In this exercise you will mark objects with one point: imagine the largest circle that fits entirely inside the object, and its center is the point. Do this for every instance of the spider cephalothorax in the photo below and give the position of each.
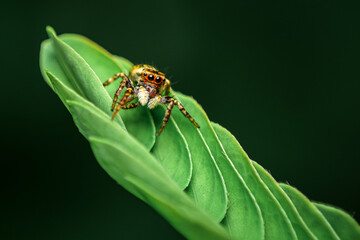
(150, 84)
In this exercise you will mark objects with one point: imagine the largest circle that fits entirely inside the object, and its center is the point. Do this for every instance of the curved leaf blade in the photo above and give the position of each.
(79, 75)
(277, 224)
(343, 224)
(301, 229)
(171, 147)
(49, 62)
(138, 121)
(84, 79)
(310, 214)
(207, 186)
(139, 173)
(172, 150)
(173, 204)
(243, 218)
(225, 179)
(71, 99)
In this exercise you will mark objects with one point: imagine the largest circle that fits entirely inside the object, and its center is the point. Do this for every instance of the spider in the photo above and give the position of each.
(150, 85)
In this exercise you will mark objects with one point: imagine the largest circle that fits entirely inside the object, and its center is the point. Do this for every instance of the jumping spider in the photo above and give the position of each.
(150, 85)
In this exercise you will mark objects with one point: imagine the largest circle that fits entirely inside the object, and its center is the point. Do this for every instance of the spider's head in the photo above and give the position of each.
(152, 77)
(147, 75)
(149, 79)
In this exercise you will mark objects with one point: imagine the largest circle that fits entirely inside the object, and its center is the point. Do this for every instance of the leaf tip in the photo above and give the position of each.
(52, 77)
(48, 73)
(50, 31)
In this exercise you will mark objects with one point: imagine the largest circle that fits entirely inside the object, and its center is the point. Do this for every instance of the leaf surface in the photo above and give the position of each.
(225, 192)
(138, 121)
(132, 166)
(83, 79)
(276, 222)
(311, 215)
(242, 209)
(171, 148)
(301, 229)
(243, 217)
(343, 224)
(207, 186)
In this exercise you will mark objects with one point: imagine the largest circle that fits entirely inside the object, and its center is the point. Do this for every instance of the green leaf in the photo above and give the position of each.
(96, 60)
(74, 72)
(138, 121)
(72, 100)
(207, 186)
(83, 78)
(301, 229)
(49, 62)
(132, 166)
(221, 183)
(243, 211)
(243, 217)
(343, 224)
(172, 150)
(311, 215)
(277, 225)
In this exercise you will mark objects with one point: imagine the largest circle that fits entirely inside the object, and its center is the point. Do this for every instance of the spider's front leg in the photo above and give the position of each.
(172, 101)
(128, 97)
(124, 82)
(131, 105)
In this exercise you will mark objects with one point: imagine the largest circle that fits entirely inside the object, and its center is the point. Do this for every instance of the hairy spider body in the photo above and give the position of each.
(148, 85)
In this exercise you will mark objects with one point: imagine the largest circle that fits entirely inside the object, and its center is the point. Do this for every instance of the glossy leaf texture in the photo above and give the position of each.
(199, 179)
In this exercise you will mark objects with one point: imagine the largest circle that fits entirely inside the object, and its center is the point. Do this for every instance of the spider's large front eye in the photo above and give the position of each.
(158, 80)
(151, 77)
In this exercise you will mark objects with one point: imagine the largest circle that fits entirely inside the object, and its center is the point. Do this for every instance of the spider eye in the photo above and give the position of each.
(158, 79)
(145, 74)
(151, 77)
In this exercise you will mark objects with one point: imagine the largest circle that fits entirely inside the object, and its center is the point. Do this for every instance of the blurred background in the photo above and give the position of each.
(286, 74)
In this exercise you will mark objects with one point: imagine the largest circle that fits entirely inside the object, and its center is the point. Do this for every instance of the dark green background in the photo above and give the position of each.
(282, 76)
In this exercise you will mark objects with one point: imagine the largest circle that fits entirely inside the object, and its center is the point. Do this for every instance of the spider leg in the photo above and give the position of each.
(117, 94)
(131, 105)
(113, 78)
(167, 116)
(125, 99)
(124, 82)
(172, 101)
(186, 114)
